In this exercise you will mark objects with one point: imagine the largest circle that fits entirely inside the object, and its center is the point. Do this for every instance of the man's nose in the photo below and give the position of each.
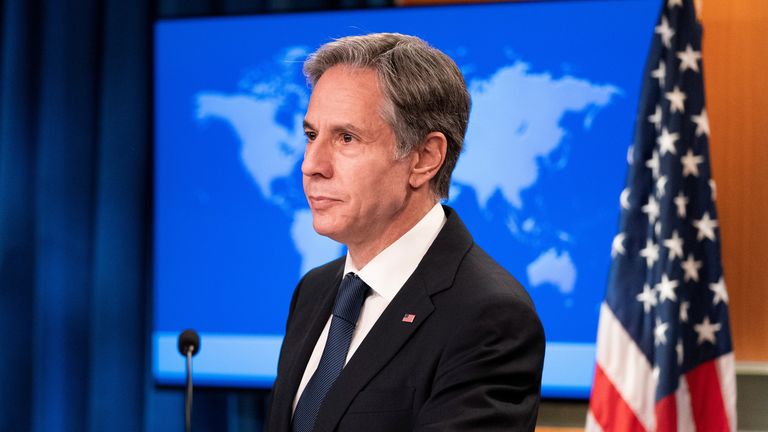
(317, 159)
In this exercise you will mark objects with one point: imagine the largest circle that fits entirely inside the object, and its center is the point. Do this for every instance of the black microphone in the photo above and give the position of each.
(189, 339)
(189, 345)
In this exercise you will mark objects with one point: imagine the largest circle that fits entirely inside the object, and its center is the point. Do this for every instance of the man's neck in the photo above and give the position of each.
(362, 253)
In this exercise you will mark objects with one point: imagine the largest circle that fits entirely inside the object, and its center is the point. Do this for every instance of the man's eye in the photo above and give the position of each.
(347, 138)
(310, 135)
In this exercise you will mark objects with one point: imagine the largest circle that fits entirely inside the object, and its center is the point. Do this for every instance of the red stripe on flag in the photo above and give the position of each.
(608, 407)
(707, 398)
(666, 414)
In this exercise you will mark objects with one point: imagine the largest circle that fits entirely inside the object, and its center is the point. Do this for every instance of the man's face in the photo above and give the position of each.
(355, 187)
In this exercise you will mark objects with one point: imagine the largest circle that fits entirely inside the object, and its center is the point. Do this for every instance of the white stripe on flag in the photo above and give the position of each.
(685, 421)
(627, 367)
(726, 372)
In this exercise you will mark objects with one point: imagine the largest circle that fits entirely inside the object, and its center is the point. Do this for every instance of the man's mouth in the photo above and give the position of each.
(322, 202)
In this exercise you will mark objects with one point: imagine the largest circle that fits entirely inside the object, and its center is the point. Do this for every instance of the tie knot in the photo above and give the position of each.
(350, 298)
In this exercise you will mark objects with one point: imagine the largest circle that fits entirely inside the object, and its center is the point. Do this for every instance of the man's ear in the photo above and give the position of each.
(429, 157)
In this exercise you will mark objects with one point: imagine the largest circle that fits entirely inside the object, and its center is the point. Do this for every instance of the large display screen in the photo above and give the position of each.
(554, 89)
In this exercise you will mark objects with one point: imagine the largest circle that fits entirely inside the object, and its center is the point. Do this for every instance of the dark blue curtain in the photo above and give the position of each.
(74, 148)
(75, 218)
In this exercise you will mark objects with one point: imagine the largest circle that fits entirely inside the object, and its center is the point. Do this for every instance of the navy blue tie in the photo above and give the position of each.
(346, 310)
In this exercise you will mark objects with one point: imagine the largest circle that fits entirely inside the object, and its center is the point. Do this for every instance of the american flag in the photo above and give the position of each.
(664, 355)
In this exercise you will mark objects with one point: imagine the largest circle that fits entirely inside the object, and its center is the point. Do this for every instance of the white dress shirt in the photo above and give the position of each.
(385, 274)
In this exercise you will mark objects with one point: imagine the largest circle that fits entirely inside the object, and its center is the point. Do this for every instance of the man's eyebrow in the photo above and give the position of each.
(346, 127)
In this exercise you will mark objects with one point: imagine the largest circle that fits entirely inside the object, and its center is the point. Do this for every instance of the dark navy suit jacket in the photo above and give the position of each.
(471, 360)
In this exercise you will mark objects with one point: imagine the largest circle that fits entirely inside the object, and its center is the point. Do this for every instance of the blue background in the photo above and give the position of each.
(223, 261)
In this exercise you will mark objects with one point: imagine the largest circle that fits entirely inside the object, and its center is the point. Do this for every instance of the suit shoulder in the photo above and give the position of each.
(484, 297)
(488, 280)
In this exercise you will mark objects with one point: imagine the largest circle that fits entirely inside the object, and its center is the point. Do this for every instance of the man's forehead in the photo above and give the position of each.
(344, 94)
(345, 77)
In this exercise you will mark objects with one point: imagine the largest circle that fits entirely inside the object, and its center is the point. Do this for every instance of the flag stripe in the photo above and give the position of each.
(609, 409)
(666, 414)
(626, 367)
(706, 398)
(726, 372)
(684, 414)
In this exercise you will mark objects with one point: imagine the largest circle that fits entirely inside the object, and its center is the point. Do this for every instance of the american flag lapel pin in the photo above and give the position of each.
(408, 318)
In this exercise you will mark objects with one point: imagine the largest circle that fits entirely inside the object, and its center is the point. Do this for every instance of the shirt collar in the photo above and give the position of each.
(387, 272)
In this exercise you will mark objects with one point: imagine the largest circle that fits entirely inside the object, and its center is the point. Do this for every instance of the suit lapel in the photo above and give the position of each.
(384, 340)
(435, 273)
(301, 345)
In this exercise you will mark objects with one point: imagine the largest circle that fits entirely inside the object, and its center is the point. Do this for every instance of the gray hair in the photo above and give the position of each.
(423, 89)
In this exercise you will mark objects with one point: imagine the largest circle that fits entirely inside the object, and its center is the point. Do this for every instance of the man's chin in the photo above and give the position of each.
(325, 228)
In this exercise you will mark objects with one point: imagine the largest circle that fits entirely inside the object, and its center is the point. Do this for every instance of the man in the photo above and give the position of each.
(416, 328)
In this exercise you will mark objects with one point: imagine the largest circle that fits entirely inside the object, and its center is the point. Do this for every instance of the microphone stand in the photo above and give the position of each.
(189, 345)
(188, 399)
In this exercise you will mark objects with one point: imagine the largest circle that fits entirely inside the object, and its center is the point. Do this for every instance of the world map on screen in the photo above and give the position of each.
(510, 140)
(506, 136)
